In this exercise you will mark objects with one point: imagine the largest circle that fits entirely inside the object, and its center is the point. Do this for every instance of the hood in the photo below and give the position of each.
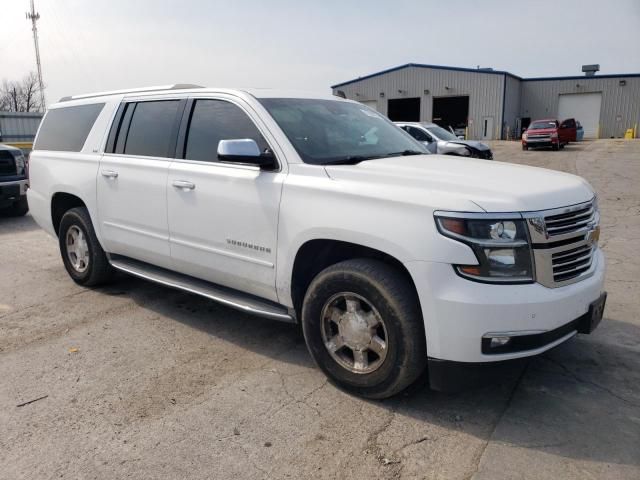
(542, 131)
(447, 182)
(471, 143)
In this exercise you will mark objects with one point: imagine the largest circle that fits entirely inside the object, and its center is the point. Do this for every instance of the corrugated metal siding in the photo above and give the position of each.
(620, 107)
(485, 92)
(19, 126)
(512, 95)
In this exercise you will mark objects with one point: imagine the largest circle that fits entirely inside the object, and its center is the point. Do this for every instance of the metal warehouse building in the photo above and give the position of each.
(491, 104)
(19, 127)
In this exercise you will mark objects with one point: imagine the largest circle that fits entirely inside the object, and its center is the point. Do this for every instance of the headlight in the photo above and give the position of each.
(554, 135)
(524, 136)
(19, 164)
(501, 246)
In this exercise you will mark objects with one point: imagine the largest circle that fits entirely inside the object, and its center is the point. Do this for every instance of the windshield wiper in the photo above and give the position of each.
(354, 159)
(350, 160)
(405, 153)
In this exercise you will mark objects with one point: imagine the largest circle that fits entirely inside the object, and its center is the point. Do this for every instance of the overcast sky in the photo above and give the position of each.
(109, 44)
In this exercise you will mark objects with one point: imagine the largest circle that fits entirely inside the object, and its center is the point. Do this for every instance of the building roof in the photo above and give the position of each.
(481, 70)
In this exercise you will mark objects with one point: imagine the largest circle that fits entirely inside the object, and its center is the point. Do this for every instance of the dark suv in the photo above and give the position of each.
(13, 181)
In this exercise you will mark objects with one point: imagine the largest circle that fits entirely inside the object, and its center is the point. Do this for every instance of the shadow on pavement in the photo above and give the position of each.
(12, 225)
(580, 400)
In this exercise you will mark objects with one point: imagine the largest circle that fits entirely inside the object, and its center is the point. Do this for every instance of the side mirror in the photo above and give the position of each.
(244, 150)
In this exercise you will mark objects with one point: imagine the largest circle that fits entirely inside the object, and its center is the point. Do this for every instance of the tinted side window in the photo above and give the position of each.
(215, 120)
(419, 134)
(152, 129)
(66, 128)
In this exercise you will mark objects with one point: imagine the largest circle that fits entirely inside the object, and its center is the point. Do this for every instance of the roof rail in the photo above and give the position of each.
(177, 86)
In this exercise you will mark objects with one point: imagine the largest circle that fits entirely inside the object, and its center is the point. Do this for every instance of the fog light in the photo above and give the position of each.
(499, 341)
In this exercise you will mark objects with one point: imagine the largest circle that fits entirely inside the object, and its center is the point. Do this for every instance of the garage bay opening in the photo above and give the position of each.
(451, 112)
(404, 109)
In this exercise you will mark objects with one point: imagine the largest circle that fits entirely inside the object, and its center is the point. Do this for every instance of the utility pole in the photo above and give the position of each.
(34, 17)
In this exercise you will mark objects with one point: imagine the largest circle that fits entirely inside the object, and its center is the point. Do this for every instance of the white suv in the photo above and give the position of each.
(319, 210)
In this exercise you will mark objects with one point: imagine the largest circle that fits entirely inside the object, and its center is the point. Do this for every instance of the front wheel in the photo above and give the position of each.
(362, 324)
(82, 254)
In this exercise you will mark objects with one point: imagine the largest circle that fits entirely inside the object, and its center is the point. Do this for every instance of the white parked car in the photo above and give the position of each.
(323, 212)
(439, 140)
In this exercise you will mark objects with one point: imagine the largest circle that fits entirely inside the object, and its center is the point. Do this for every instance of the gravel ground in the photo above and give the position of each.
(145, 382)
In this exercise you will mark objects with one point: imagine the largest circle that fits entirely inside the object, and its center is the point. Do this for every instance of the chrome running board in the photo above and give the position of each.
(226, 296)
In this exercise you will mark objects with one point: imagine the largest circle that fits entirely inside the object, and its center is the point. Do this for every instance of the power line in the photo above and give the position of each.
(34, 17)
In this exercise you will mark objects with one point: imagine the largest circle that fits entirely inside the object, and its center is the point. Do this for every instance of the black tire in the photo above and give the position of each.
(524, 147)
(555, 147)
(19, 208)
(97, 270)
(394, 298)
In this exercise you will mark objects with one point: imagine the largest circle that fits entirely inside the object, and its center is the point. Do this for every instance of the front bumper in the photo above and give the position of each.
(449, 376)
(11, 191)
(540, 143)
(457, 312)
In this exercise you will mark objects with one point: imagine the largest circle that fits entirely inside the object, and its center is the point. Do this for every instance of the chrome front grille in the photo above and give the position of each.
(564, 242)
(571, 263)
(564, 223)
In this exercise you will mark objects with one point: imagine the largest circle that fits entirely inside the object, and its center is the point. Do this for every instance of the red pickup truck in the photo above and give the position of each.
(549, 133)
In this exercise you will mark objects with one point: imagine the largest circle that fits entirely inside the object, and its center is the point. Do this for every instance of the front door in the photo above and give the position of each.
(132, 182)
(487, 128)
(223, 218)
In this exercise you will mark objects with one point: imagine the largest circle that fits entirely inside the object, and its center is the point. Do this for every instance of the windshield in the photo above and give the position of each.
(333, 131)
(442, 134)
(541, 125)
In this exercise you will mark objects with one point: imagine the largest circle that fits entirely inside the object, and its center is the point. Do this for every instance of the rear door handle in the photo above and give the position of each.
(109, 174)
(184, 185)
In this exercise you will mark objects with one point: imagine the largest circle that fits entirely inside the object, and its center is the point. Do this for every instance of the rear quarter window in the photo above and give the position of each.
(67, 128)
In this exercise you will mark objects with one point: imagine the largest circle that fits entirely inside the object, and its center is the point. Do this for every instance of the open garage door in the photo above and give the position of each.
(584, 107)
(404, 109)
(451, 112)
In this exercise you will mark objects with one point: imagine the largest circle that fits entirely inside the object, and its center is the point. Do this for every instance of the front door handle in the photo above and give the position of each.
(109, 174)
(184, 185)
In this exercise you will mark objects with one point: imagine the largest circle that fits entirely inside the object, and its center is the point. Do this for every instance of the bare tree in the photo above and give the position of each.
(21, 95)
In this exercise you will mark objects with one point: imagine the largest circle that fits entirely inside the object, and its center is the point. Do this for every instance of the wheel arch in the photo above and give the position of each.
(62, 202)
(315, 255)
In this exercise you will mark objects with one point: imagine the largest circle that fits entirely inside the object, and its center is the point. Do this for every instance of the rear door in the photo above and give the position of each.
(223, 217)
(132, 179)
(568, 129)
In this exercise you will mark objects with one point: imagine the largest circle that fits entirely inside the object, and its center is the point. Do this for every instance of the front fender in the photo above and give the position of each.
(287, 254)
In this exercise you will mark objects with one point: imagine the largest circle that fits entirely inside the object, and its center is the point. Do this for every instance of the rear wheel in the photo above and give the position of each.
(362, 324)
(83, 257)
